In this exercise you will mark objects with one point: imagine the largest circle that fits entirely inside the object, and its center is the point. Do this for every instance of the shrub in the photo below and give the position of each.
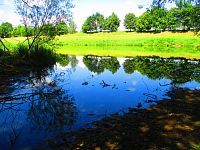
(36, 56)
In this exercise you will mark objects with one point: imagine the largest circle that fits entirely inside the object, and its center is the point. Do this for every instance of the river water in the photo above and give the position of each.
(37, 107)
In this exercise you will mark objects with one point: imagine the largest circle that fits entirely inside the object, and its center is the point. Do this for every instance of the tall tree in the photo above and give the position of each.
(93, 23)
(89, 25)
(99, 21)
(196, 18)
(40, 14)
(6, 29)
(172, 22)
(158, 19)
(72, 27)
(112, 23)
(130, 21)
(61, 28)
(144, 22)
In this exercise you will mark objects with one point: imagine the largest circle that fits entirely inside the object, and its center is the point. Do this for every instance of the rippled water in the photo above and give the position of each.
(43, 105)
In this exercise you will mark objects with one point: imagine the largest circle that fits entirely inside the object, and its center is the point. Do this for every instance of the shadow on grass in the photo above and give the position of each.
(171, 124)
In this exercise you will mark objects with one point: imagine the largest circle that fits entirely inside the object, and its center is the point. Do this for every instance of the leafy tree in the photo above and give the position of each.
(158, 19)
(6, 29)
(89, 25)
(21, 31)
(72, 27)
(196, 18)
(61, 28)
(99, 21)
(112, 23)
(93, 23)
(144, 22)
(130, 21)
(161, 3)
(185, 16)
(172, 22)
(42, 15)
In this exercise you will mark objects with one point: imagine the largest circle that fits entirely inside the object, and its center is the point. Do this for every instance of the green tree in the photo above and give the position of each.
(172, 22)
(112, 23)
(89, 25)
(99, 21)
(158, 19)
(61, 28)
(186, 16)
(196, 18)
(93, 23)
(144, 22)
(72, 27)
(130, 21)
(42, 15)
(6, 29)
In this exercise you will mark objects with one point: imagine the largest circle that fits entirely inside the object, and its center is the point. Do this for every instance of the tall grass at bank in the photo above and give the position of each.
(36, 56)
(22, 59)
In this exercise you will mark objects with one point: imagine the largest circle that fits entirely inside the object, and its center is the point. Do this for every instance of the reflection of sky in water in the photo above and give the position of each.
(93, 101)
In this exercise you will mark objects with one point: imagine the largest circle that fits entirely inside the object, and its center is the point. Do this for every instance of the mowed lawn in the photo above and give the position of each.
(164, 44)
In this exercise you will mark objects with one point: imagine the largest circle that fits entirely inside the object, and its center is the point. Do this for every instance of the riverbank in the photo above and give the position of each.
(164, 44)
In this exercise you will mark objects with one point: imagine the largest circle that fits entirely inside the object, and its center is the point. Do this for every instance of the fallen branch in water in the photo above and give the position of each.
(104, 84)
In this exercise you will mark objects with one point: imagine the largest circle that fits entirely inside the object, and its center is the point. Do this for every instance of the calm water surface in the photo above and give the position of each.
(70, 95)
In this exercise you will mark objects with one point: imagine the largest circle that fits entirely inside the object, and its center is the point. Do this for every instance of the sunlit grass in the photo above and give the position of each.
(164, 44)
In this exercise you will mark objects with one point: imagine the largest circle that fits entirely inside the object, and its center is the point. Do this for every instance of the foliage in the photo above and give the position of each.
(36, 56)
(196, 18)
(112, 23)
(72, 27)
(93, 23)
(89, 25)
(130, 21)
(42, 16)
(144, 22)
(6, 30)
(196, 147)
(22, 31)
(158, 19)
(61, 28)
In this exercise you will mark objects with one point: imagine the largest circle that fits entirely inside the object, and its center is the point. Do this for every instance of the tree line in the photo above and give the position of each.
(183, 17)
(7, 30)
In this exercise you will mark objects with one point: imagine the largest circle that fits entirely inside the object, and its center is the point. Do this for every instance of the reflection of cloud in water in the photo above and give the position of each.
(80, 64)
(134, 82)
(121, 61)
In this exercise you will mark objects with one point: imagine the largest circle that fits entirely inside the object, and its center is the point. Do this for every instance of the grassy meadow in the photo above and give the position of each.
(164, 44)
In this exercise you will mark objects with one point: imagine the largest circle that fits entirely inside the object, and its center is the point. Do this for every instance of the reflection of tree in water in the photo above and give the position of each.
(74, 62)
(52, 108)
(99, 64)
(178, 70)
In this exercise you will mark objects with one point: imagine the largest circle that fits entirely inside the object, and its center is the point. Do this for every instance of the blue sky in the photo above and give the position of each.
(83, 9)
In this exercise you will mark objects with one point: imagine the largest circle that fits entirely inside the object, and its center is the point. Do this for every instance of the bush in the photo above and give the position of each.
(36, 56)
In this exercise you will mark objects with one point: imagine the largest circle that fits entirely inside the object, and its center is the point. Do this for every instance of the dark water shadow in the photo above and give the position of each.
(171, 124)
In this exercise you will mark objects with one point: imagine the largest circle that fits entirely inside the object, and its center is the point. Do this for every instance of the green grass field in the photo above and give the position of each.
(165, 44)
